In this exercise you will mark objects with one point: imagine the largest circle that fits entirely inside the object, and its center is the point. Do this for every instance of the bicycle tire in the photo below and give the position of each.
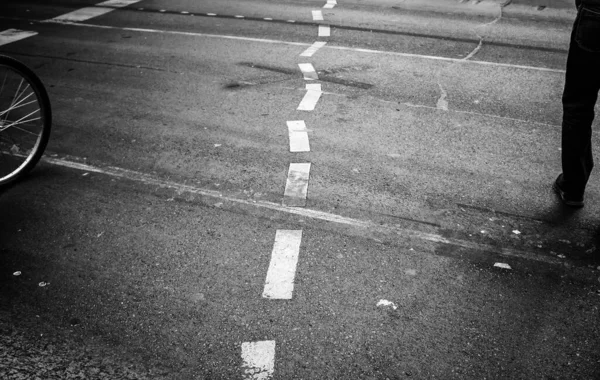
(38, 89)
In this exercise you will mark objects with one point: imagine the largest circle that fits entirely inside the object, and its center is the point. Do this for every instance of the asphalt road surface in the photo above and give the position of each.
(297, 190)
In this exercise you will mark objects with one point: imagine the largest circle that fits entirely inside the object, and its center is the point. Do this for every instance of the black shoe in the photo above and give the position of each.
(567, 199)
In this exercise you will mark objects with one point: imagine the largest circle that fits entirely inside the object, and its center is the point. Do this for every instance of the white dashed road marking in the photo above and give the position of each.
(258, 360)
(296, 186)
(311, 98)
(313, 49)
(330, 4)
(324, 31)
(279, 283)
(12, 35)
(91, 12)
(308, 71)
(118, 3)
(298, 136)
(502, 265)
(317, 15)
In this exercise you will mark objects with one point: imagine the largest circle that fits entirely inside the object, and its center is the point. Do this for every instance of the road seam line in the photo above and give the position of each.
(146, 179)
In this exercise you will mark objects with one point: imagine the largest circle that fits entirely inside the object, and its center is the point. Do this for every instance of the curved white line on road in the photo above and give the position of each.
(291, 43)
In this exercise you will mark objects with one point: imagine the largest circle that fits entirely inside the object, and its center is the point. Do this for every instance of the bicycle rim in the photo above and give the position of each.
(22, 120)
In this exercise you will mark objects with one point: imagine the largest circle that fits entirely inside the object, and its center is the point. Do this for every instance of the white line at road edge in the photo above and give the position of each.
(303, 212)
(279, 283)
(358, 50)
(258, 360)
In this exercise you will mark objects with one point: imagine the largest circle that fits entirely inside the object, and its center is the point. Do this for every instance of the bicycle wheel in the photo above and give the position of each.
(25, 119)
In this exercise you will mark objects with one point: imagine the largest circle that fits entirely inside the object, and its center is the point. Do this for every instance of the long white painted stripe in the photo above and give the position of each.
(330, 4)
(345, 48)
(296, 186)
(308, 71)
(117, 3)
(310, 100)
(258, 360)
(12, 35)
(279, 283)
(324, 31)
(317, 15)
(313, 49)
(298, 136)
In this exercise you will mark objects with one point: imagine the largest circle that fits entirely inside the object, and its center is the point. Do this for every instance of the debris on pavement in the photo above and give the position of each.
(387, 303)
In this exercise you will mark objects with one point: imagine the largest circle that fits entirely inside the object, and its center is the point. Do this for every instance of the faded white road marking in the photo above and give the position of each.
(11, 35)
(117, 3)
(345, 48)
(81, 14)
(330, 4)
(317, 15)
(298, 136)
(258, 360)
(502, 265)
(308, 71)
(87, 13)
(279, 283)
(296, 186)
(311, 98)
(404, 233)
(313, 49)
(324, 31)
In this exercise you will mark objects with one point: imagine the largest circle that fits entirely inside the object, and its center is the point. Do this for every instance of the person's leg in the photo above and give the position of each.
(582, 83)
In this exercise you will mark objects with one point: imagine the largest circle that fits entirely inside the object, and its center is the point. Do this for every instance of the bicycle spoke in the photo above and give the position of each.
(19, 105)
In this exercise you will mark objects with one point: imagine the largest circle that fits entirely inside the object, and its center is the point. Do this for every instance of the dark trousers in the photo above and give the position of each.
(582, 83)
